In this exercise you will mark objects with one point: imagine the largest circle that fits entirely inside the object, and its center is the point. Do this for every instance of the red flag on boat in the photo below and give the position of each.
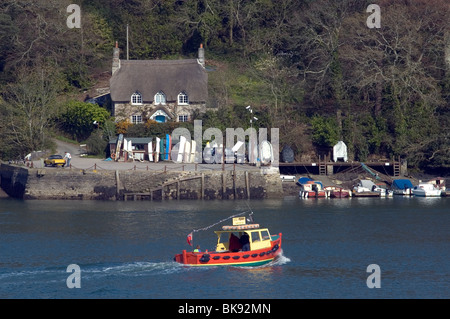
(189, 239)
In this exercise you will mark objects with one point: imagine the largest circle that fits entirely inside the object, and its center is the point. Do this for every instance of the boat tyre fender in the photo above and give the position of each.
(275, 248)
(205, 258)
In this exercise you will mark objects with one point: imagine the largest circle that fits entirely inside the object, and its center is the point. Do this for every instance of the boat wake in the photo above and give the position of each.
(96, 271)
(141, 269)
(280, 260)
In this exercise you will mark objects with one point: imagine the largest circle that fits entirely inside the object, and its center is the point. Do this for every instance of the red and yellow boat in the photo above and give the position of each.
(240, 244)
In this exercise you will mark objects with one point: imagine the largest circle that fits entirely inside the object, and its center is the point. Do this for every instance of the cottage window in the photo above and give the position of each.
(160, 98)
(183, 118)
(136, 119)
(136, 99)
(183, 99)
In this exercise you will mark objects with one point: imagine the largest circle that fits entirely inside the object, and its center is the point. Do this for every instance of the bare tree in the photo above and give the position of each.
(29, 107)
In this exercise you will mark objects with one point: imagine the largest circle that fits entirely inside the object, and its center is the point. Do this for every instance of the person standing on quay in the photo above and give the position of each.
(67, 157)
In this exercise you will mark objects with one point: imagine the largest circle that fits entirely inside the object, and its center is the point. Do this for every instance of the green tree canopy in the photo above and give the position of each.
(79, 119)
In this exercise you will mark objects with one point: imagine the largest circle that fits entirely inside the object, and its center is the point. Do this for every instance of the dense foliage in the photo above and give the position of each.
(312, 68)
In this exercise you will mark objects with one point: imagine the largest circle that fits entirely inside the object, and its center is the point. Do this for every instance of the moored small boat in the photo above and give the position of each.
(426, 190)
(367, 188)
(240, 244)
(312, 189)
(402, 187)
(338, 192)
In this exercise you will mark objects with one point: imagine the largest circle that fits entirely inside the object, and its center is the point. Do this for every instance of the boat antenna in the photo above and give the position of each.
(190, 236)
(250, 218)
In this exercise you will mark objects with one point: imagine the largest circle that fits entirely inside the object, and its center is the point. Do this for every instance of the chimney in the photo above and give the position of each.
(201, 55)
(116, 58)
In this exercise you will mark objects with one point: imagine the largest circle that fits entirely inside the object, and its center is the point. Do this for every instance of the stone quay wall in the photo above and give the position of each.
(70, 183)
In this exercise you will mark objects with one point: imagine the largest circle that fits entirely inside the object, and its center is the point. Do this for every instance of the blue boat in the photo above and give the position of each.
(402, 187)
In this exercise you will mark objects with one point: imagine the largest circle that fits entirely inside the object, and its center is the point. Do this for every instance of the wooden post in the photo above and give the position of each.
(234, 184)
(117, 184)
(202, 186)
(247, 185)
(223, 157)
(178, 189)
(223, 184)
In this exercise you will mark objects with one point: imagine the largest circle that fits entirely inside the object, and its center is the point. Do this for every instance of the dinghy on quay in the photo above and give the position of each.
(244, 243)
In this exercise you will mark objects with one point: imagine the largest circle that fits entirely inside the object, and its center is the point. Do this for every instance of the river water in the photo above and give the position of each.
(126, 249)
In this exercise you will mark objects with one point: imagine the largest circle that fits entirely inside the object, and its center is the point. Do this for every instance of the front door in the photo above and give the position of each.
(160, 118)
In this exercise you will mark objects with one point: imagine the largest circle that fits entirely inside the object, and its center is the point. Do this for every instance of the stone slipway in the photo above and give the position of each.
(140, 181)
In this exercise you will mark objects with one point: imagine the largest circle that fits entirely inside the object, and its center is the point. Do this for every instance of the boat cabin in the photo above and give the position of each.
(228, 240)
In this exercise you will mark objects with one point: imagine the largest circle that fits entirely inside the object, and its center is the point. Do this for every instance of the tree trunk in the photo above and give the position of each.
(231, 22)
(447, 51)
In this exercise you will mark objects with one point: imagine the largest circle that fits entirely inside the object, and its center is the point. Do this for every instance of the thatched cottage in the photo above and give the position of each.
(160, 90)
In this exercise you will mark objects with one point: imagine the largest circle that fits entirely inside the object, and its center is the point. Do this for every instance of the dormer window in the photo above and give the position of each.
(160, 98)
(136, 99)
(183, 99)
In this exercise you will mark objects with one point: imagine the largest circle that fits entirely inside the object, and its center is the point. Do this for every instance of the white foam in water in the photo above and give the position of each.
(144, 268)
(280, 260)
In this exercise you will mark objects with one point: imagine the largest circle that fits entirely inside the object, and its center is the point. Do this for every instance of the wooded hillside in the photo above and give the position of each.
(314, 69)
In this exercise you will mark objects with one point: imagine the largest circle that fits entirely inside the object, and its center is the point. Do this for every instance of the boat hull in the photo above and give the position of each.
(426, 190)
(312, 194)
(427, 194)
(340, 194)
(242, 258)
(403, 192)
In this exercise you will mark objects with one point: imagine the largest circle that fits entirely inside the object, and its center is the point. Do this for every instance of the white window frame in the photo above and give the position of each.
(135, 118)
(183, 118)
(136, 98)
(183, 99)
(160, 98)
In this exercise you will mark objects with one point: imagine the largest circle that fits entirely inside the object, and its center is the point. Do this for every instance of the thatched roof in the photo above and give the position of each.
(169, 76)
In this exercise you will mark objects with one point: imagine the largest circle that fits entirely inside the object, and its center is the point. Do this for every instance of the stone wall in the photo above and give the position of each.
(64, 183)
